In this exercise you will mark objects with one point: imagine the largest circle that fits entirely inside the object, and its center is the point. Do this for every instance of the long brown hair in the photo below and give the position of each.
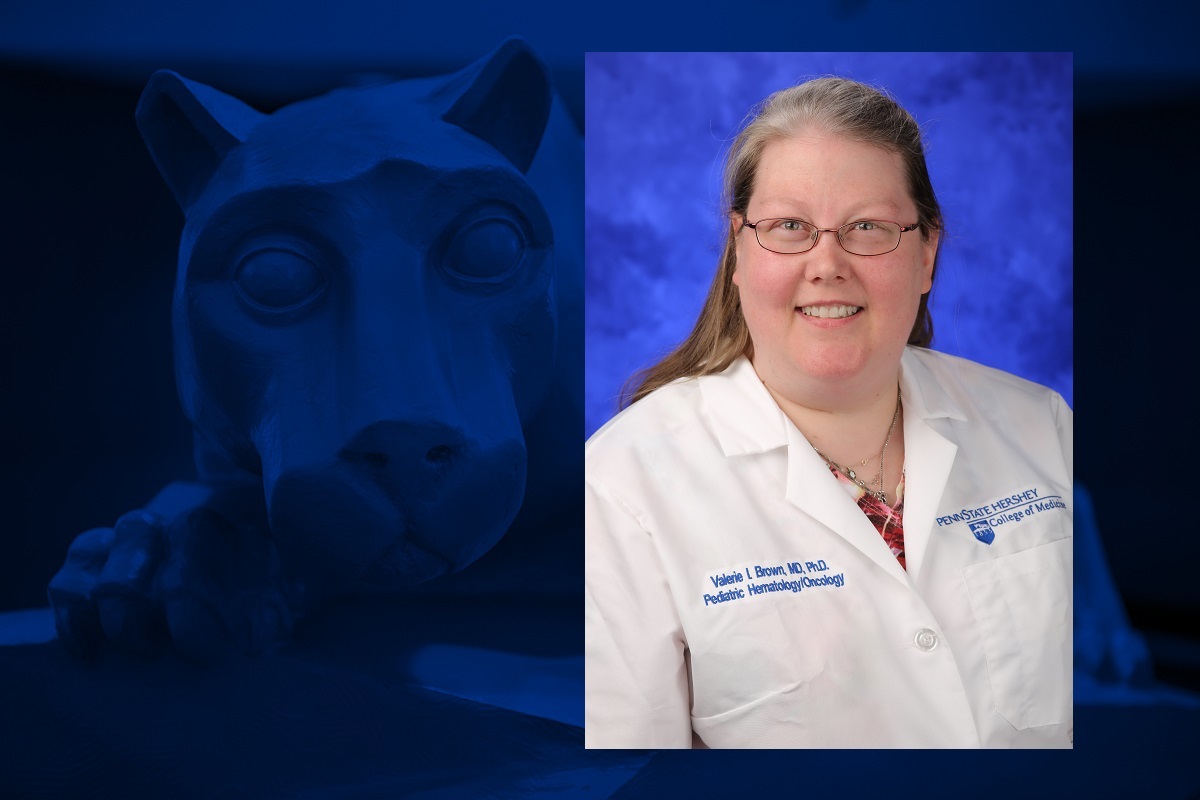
(832, 105)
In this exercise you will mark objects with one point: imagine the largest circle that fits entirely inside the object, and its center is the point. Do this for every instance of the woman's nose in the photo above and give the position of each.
(826, 260)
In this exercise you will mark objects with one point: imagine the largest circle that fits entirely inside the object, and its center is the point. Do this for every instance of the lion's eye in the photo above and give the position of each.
(486, 251)
(278, 279)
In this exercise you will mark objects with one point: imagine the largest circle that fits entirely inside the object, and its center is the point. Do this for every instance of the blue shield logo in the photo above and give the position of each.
(983, 532)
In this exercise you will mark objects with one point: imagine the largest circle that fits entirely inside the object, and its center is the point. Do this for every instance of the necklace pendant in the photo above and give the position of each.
(852, 476)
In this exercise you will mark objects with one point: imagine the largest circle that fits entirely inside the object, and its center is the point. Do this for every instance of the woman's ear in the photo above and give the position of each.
(929, 249)
(735, 225)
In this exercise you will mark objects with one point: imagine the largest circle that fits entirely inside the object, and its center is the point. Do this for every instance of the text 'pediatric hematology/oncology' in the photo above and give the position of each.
(757, 579)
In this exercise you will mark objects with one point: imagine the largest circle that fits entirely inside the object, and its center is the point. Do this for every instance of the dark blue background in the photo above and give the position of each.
(90, 425)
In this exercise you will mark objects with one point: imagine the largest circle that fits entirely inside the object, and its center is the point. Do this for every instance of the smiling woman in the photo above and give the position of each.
(773, 558)
(998, 134)
(803, 346)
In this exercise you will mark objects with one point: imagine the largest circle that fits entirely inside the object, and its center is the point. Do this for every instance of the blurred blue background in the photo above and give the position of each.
(998, 135)
(89, 422)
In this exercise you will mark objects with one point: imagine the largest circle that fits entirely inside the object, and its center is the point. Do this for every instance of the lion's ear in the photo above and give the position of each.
(504, 99)
(188, 128)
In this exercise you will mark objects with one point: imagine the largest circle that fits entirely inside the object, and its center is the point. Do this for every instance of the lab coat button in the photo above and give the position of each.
(925, 639)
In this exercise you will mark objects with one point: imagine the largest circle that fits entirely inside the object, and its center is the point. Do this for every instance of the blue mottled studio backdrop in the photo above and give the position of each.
(998, 131)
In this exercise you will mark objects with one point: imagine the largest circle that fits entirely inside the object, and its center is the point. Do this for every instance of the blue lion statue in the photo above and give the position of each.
(378, 342)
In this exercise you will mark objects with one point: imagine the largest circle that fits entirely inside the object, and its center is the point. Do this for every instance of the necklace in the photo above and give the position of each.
(879, 494)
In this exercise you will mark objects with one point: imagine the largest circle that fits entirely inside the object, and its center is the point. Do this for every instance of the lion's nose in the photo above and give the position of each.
(412, 457)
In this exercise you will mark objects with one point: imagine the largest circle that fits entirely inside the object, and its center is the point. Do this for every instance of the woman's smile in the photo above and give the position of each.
(830, 312)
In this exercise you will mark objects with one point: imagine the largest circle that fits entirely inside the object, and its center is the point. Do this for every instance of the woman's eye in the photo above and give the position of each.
(790, 225)
(486, 251)
(278, 279)
(865, 225)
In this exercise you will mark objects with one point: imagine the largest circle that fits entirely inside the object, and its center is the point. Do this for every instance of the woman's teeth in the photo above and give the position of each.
(830, 312)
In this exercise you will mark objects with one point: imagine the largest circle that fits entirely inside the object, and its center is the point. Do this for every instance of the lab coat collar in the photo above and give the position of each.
(746, 421)
(744, 416)
(925, 395)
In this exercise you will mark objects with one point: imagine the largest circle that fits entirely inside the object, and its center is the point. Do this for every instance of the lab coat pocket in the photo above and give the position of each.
(1022, 605)
(775, 720)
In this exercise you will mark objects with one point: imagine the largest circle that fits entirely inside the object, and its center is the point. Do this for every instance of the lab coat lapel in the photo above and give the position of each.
(813, 489)
(928, 456)
(747, 421)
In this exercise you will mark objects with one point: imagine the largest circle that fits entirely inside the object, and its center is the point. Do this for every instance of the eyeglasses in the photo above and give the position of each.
(864, 237)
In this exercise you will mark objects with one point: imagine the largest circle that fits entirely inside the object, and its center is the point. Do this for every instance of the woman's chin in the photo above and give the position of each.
(832, 365)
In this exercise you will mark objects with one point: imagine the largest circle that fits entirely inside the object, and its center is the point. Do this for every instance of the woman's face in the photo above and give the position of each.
(829, 181)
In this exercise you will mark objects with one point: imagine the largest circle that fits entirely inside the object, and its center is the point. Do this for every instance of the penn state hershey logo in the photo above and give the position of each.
(1013, 508)
(983, 532)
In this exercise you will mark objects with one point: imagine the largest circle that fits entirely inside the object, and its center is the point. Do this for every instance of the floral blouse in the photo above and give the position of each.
(888, 520)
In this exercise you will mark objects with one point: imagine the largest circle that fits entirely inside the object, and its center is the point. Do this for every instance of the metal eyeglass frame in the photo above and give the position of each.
(746, 223)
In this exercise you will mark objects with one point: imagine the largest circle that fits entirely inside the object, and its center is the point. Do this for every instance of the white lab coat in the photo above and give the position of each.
(706, 480)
